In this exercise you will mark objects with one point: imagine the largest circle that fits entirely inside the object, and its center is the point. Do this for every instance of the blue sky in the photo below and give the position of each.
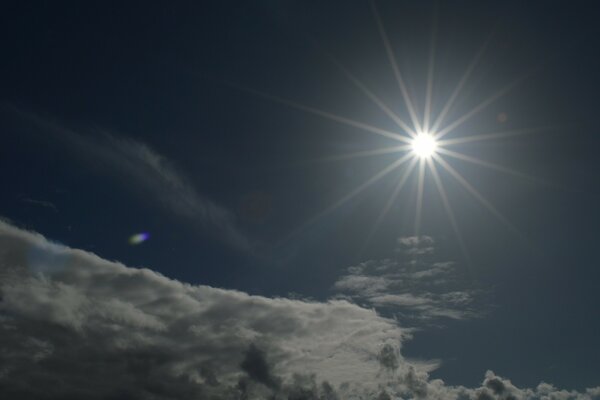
(239, 138)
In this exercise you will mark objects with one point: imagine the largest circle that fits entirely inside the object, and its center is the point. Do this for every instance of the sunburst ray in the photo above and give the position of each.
(401, 183)
(489, 165)
(448, 209)
(392, 58)
(419, 206)
(358, 154)
(373, 97)
(430, 68)
(493, 135)
(356, 191)
(477, 109)
(475, 193)
(461, 83)
(327, 115)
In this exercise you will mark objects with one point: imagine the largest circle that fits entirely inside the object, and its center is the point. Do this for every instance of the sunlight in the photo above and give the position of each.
(424, 145)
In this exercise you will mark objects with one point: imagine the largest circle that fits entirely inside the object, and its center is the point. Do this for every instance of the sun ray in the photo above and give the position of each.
(493, 136)
(356, 191)
(430, 67)
(421, 140)
(401, 182)
(419, 207)
(459, 86)
(475, 193)
(475, 110)
(359, 154)
(397, 74)
(489, 165)
(448, 209)
(369, 182)
(367, 92)
(327, 115)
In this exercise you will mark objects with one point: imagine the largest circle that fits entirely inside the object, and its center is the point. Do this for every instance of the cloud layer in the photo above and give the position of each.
(73, 325)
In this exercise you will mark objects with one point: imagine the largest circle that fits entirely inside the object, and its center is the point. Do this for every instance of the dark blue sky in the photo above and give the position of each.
(81, 81)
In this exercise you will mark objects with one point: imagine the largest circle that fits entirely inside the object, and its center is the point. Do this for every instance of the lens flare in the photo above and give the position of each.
(138, 238)
(424, 145)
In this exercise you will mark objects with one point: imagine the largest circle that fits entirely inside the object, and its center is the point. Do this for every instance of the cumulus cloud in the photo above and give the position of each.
(150, 174)
(413, 285)
(73, 325)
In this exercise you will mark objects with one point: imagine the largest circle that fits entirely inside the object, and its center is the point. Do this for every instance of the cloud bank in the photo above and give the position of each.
(73, 326)
(103, 329)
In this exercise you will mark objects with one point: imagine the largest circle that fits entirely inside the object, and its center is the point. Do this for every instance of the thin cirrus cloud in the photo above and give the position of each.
(148, 173)
(73, 325)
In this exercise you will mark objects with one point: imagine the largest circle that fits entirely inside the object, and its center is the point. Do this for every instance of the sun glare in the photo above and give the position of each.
(418, 140)
(424, 145)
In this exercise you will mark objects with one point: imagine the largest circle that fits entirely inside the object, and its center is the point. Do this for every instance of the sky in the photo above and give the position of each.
(224, 200)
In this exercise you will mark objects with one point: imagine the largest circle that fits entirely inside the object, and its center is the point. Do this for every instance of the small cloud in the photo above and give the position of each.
(411, 241)
(415, 245)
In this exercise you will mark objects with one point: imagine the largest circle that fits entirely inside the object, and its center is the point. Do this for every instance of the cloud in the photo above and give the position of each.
(413, 286)
(73, 325)
(101, 328)
(151, 175)
(411, 383)
(40, 203)
(257, 368)
(170, 188)
(415, 245)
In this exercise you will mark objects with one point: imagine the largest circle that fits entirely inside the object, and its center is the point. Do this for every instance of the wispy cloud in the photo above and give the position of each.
(40, 203)
(413, 285)
(146, 171)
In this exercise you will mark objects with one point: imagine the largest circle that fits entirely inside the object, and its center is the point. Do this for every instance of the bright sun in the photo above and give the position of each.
(424, 145)
(419, 142)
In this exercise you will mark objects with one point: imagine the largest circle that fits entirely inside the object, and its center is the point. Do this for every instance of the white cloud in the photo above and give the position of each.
(73, 325)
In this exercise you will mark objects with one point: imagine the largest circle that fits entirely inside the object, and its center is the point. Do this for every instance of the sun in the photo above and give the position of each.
(424, 145)
(420, 141)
